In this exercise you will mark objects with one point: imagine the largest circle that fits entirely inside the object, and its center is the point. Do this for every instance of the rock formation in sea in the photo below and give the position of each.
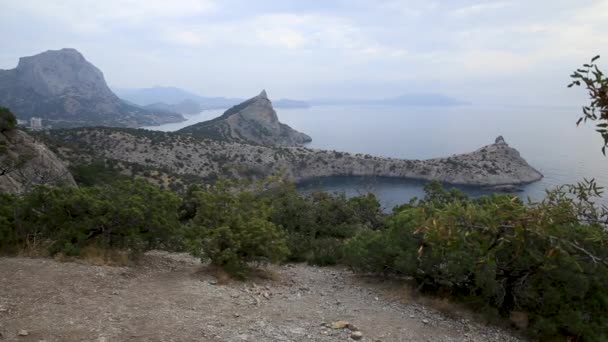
(65, 90)
(254, 122)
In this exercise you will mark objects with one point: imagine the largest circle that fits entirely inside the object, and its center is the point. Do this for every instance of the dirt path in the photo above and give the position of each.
(169, 298)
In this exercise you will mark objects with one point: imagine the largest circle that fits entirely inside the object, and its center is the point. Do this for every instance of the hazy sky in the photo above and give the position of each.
(494, 52)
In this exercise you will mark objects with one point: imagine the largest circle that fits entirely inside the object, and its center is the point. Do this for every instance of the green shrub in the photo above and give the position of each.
(8, 120)
(128, 215)
(232, 229)
(95, 173)
(545, 259)
(318, 224)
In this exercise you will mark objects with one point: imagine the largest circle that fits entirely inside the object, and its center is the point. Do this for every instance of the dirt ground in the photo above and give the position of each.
(172, 297)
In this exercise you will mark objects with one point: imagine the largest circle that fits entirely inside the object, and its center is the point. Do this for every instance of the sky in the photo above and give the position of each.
(502, 52)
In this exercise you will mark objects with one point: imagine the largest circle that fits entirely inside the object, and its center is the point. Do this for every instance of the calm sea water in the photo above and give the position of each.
(546, 137)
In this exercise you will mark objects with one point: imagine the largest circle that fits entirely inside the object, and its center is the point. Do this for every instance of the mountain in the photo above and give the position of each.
(64, 89)
(254, 121)
(184, 107)
(171, 96)
(413, 99)
(185, 102)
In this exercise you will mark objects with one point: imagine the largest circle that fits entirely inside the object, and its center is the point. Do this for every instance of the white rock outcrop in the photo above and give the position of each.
(25, 163)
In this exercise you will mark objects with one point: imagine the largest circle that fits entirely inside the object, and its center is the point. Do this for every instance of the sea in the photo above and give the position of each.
(547, 137)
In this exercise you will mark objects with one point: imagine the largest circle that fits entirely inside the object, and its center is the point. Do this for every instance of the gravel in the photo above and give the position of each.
(172, 297)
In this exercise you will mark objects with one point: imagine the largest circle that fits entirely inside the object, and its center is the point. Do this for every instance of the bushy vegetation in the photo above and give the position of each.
(233, 229)
(128, 215)
(8, 120)
(318, 224)
(546, 260)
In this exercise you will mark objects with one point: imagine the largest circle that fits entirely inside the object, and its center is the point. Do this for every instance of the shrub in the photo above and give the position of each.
(129, 215)
(232, 229)
(318, 224)
(545, 259)
(8, 120)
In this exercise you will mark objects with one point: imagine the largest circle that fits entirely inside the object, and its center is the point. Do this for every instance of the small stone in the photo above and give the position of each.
(236, 315)
(23, 333)
(115, 293)
(357, 335)
(339, 325)
(412, 316)
(425, 321)
(352, 327)
(212, 282)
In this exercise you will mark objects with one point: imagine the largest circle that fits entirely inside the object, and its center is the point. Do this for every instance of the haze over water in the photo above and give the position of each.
(546, 137)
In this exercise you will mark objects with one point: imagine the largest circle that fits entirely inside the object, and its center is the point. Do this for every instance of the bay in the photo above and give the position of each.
(547, 137)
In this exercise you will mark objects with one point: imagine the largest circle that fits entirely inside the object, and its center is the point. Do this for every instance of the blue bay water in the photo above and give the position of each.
(547, 137)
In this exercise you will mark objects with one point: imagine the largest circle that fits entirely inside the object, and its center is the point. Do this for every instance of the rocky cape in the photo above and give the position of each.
(254, 122)
(169, 157)
(26, 162)
(65, 90)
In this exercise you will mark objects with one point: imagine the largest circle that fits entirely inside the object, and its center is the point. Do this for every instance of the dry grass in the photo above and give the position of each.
(255, 275)
(452, 309)
(35, 248)
(99, 257)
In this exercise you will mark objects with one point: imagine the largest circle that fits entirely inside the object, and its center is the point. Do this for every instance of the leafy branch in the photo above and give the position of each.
(597, 86)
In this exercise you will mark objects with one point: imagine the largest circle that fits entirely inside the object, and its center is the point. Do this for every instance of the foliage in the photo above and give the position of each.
(129, 215)
(499, 252)
(232, 229)
(95, 173)
(8, 120)
(597, 86)
(318, 224)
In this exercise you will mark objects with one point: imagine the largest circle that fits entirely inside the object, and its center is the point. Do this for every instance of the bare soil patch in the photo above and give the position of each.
(172, 297)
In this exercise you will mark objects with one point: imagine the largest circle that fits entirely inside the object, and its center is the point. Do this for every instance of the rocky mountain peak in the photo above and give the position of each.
(500, 140)
(54, 72)
(65, 90)
(253, 121)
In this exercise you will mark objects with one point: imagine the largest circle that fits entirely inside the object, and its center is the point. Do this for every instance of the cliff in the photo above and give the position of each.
(25, 163)
(185, 156)
(254, 122)
(64, 89)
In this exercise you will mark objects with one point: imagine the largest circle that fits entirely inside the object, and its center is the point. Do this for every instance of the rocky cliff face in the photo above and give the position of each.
(193, 158)
(25, 163)
(63, 88)
(254, 121)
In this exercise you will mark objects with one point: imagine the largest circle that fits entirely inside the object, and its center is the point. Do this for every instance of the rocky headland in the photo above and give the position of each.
(254, 121)
(186, 156)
